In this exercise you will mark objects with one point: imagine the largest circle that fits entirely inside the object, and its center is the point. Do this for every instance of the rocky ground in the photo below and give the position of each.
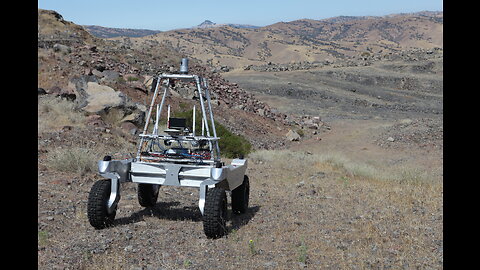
(422, 132)
(307, 210)
(408, 84)
(334, 200)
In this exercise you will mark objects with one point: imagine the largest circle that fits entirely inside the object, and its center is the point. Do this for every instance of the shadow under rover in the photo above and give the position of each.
(170, 211)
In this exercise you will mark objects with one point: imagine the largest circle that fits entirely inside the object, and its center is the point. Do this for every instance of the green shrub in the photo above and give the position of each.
(302, 252)
(231, 145)
(42, 238)
(251, 247)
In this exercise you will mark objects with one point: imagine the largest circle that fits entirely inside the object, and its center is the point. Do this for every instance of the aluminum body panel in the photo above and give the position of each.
(121, 167)
(188, 175)
(235, 172)
(169, 174)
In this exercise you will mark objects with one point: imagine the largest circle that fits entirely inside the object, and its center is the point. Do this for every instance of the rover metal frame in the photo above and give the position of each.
(151, 167)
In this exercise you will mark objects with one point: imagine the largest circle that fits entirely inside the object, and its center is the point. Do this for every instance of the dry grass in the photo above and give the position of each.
(311, 162)
(81, 157)
(326, 210)
(305, 210)
(76, 159)
(83, 149)
(56, 112)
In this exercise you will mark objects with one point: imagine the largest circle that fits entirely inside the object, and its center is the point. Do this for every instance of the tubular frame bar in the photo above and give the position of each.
(148, 117)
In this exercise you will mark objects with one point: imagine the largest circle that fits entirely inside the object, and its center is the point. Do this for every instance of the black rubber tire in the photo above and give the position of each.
(147, 194)
(240, 197)
(98, 203)
(215, 213)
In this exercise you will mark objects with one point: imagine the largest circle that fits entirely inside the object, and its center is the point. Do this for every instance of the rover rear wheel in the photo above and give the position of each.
(240, 197)
(147, 194)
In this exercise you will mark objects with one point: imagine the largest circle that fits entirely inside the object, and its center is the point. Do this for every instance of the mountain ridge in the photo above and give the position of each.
(109, 32)
(309, 40)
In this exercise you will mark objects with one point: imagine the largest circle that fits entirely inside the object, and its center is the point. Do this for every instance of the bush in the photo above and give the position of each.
(231, 145)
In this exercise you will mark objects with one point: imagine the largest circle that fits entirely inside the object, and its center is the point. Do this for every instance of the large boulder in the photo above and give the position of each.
(129, 128)
(292, 136)
(100, 97)
(62, 48)
(150, 82)
(95, 98)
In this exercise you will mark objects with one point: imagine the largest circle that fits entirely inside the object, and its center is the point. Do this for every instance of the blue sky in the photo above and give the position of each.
(167, 15)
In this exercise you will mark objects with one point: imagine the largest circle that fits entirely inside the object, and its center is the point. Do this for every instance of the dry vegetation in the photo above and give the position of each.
(307, 210)
(55, 113)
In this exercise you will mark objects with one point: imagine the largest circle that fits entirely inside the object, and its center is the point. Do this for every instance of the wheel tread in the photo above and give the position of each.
(213, 225)
(146, 195)
(240, 197)
(97, 205)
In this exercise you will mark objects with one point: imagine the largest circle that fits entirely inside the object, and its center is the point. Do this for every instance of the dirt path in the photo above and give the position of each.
(358, 140)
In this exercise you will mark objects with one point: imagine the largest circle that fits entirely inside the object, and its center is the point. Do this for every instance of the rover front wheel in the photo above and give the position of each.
(97, 207)
(215, 213)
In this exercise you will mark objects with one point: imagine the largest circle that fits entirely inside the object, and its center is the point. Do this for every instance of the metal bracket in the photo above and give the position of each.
(171, 174)
(114, 191)
(203, 193)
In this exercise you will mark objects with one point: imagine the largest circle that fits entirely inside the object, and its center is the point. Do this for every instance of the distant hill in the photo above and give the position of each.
(210, 24)
(107, 32)
(305, 40)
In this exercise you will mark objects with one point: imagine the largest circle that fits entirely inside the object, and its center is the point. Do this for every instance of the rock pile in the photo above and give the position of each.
(417, 133)
(272, 67)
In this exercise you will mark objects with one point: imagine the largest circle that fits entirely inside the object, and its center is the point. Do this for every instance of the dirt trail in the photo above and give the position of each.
(357, 140)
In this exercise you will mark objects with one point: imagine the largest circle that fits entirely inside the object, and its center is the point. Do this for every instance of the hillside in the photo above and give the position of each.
(309, 40)
(67, 54)
(53, 28)
(110, 32)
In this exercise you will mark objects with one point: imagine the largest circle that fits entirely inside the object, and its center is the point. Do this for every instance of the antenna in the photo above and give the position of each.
(155, 128)
(168, 116)
(193, 120)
